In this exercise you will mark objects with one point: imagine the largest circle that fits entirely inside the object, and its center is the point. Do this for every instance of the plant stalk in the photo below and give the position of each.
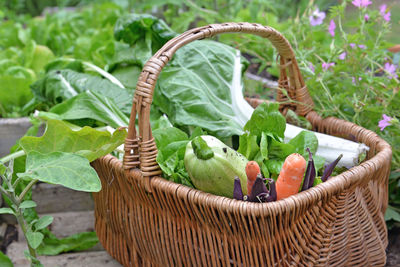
(26, 189)
(11, 156)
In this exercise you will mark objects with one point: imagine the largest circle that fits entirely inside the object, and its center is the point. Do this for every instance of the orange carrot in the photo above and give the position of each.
(291, 175)
(252, 170)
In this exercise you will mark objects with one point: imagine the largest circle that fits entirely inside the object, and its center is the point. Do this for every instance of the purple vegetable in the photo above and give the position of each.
(329, 169)
(272, 191)
(259, 191)
(310, 172)
(237, 189)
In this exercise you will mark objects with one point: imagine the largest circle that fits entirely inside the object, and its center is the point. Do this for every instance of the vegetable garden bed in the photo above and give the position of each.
(79, 68)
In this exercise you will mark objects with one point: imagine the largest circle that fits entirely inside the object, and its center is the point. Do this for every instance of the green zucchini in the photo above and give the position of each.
(212, 166)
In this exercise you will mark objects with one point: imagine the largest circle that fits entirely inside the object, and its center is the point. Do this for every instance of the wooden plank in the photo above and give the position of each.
(55, 198)
(15, 252)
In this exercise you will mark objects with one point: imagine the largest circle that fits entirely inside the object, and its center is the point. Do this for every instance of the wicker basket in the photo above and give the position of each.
(145, 220)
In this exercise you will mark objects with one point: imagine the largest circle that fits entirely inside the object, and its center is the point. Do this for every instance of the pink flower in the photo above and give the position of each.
(332, 27)
(352, 45)
(391, 70)
(366, 17)
(385, 122)
(362, 46)
(353, 80)
(384, 14)
(342, 56)
(311, 66)
(326, 66)
(317, 17)
(361, 3)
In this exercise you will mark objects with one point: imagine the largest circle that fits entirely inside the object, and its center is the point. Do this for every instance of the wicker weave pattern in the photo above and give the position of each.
(154, 222)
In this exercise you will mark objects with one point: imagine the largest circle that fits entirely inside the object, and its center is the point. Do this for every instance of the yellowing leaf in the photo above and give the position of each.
(88, 142)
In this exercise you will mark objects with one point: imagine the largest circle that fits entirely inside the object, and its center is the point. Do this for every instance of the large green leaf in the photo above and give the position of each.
(66, 169)
(87, 142)
(93, 106)
(76, 242)
(195, 88)
(59, 85)
(5, 261)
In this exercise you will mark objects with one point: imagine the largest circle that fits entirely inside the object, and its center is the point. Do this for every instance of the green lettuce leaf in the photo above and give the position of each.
(267, 118)
(171, 144)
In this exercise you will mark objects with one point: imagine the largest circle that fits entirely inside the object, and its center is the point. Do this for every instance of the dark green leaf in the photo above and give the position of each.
(5, 261)
(132, 28)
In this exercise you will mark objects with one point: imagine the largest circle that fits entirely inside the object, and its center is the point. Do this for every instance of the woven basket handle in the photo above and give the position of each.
(141, 150)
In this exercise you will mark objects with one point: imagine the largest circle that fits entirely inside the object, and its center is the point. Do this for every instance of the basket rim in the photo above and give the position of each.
(300, 201)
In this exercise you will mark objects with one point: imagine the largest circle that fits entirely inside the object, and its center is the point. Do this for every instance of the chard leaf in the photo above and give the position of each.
(93, 106)
(87, 142)
(248, 146)
(194, 89)
(280, 150)
(274, 166)
(171, 144)
(267, 118)
(304, 140)
(60, 85)
(264, 146)
(66, 169)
